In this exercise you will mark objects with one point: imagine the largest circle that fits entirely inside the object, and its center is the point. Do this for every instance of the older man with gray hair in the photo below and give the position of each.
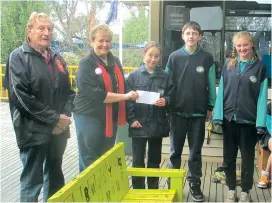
(40, 97)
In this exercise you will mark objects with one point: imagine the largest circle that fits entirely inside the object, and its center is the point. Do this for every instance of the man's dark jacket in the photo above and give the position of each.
(37, 98)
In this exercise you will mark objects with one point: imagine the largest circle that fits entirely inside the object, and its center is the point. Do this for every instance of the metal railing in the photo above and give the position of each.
(72, 76)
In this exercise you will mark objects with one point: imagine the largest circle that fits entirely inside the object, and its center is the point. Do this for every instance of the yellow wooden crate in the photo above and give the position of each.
(107, 180)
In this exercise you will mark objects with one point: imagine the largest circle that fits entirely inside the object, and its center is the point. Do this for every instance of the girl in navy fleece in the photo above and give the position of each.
(148, 123)
(241, 108)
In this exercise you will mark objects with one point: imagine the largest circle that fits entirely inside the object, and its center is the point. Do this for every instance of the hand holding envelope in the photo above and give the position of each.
(160, 102)
(146, 97)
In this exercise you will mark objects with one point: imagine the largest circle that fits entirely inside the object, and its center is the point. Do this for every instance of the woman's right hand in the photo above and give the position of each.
(136, 124)
(132, 95)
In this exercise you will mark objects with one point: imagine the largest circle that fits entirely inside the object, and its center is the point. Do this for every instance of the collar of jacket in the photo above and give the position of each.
(184, 50)
(110, 57)
(252, 61)
(28, 49)
(248, 64)
(157, 70)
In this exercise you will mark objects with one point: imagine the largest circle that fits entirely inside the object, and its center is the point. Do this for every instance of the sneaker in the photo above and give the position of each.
(245, 197)
(264, 180)
(196, 192)
(232, 196)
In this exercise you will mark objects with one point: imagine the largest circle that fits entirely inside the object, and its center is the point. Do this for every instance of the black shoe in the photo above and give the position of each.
(196, 192)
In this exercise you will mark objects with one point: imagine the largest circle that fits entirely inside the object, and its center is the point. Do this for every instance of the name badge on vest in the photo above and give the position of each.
(200, 69)
(253, 79)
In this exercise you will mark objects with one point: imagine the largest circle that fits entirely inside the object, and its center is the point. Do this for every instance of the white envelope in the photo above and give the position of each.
(147, 97)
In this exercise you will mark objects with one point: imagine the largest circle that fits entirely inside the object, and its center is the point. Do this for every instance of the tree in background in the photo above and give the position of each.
(92, 7)
(135, 29)
(14, 16)
(72, 22)
(68, 24)
(135, 32)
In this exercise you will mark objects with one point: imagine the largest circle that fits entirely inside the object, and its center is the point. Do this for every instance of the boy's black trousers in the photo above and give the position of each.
(194, 128)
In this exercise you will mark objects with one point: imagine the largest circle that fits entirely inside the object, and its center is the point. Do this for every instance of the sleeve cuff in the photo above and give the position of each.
(261, 130)
(130, 121)
(210, 108)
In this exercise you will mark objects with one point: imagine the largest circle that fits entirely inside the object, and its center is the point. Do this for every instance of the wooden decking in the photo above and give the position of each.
(11, 168)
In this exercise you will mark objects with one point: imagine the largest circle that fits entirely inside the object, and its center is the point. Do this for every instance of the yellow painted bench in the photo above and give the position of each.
(107, 180)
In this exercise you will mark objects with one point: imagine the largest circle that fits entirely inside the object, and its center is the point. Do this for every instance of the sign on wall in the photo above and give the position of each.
(176, 17)
(209, 18)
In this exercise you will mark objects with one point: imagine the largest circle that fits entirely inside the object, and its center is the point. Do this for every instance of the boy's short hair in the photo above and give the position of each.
(192, 24)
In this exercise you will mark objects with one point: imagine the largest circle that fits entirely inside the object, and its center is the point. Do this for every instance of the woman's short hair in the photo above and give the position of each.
(101, 27)
(33, 18)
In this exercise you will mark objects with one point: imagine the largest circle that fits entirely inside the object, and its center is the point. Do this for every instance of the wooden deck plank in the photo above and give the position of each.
(8, 194)
(186, 190)
(182, 166)
(163, 181)
(13, 184)
(219, 186)
(225, 188)
(10, 179)
(213, 186)
(204, 182)
(266, 192)
(260, 192)
(11, 195)
(8, 144)
(254, 193)
(207, 181)
(129, 164)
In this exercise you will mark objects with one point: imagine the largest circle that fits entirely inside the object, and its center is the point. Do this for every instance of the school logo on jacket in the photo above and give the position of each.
(253, 79)
(60, 66)
(200, 69)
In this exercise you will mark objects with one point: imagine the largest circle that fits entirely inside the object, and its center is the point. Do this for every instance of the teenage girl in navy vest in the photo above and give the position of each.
(241, 108)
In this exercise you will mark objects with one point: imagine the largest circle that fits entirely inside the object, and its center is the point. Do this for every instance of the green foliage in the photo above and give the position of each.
(136, 29)
(14, 18)
(115, 38)
(72, 59)
(131, 57)
(135, 32)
